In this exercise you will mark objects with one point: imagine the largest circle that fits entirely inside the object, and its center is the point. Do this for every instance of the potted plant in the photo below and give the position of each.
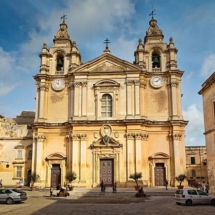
(135, 177)
(70, 176)
(33, 177)
(180, 178)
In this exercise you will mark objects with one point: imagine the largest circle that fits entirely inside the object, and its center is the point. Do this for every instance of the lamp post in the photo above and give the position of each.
(7, 163)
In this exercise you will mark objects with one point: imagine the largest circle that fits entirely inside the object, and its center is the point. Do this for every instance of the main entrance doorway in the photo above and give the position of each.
(159, 174)
(106, 171)
(55, 175)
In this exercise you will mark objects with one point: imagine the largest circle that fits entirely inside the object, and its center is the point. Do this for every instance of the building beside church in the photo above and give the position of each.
(208, 98)
(196, 163)
(107, 118)
(16, 147)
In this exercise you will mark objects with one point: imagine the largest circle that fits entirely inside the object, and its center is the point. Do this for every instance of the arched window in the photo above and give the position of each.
(106, 105)
(60, 63)
(155, 61)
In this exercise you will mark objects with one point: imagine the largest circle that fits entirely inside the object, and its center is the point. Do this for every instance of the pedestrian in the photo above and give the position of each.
(166, 183)
(1, 183)
(207, 188)
(51, 191)
(102, 185)
(58, 187)
(114, 188)
(21, 183)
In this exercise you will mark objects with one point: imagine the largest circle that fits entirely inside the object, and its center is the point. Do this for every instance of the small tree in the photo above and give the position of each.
(136, 176)
(71, 176)
(33, 177)
(180, 178)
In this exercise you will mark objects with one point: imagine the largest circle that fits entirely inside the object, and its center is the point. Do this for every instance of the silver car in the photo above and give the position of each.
(12, 195)
(189, 196)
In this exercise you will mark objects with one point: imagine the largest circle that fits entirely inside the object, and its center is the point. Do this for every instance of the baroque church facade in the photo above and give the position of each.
(108, 118)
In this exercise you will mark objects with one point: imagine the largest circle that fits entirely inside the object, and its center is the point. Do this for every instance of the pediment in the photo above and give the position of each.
(56, 156)
(104, 143)
(107, 63)
(159, 155)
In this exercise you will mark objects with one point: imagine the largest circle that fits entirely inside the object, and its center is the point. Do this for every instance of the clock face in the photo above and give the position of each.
(58, 84)
(156, 81)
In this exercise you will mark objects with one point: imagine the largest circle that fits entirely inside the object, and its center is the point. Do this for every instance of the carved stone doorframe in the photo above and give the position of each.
(55, 159)
(155, 159)
(99, 154)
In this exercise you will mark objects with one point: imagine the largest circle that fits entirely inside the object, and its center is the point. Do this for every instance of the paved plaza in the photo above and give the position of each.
(93, 202)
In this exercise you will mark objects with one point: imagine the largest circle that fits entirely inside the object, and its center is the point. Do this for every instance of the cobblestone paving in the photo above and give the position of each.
(103, 205)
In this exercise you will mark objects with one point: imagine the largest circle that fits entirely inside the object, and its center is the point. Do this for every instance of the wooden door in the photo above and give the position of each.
(159, 175)
(55, 175)
(106, 171)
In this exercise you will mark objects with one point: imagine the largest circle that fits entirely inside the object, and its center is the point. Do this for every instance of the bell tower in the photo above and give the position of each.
(160, 94)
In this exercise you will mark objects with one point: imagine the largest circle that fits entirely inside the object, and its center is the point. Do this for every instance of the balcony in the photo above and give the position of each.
(156, 69)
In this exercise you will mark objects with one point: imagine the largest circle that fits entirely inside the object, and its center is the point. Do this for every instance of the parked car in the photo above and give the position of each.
(12, 195)
(189, 196)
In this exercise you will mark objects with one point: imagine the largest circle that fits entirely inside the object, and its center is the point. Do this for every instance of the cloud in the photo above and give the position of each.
(208, 66)
(124, 48)
(194, 129)
(7, 72)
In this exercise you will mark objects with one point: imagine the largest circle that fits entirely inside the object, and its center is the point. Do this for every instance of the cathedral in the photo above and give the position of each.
(108, 118)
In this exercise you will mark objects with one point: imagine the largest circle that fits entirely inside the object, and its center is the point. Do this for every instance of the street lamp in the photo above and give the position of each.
(7, 165)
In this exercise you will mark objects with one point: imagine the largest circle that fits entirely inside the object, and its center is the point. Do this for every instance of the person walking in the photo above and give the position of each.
(1, 183)
(102, 186)
(207, 188)
(166, 183)
(114, 188)
(51, 191)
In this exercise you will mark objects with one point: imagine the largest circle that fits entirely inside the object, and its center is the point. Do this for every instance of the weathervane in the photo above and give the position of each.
(64, 17)
(107, 41)
(152, 13)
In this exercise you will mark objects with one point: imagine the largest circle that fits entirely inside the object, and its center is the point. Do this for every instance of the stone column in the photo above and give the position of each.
(129, 98)
(97, 168)
(68, 151)
(76, 99)
(33, 154)
(72, 102)
(176, 138)
(37, 102)
(83, 158)
(84, 99)
(138, 152)
(43, 88)
(75, 155)
(173, 86)
(137, 98)
(130, 154)
(141, 99)
(39, 155)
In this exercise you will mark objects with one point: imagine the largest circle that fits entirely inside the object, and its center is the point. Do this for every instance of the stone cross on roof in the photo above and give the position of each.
(152, 13)
(64, 17)
(107, 41)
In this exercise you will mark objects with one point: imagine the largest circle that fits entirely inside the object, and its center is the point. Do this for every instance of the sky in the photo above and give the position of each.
(26, 24)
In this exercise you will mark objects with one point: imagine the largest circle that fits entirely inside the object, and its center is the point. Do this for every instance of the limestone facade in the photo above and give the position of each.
(108, 118)
(208, 98)
(16, 147)
(196, 163)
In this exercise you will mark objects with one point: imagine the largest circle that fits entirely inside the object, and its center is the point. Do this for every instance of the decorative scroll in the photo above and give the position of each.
(142, 136)
(78, 136)
(176, 136)
(43, 87)
(40, 138)
(173, 84)
(62, 33)
(153, 29)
